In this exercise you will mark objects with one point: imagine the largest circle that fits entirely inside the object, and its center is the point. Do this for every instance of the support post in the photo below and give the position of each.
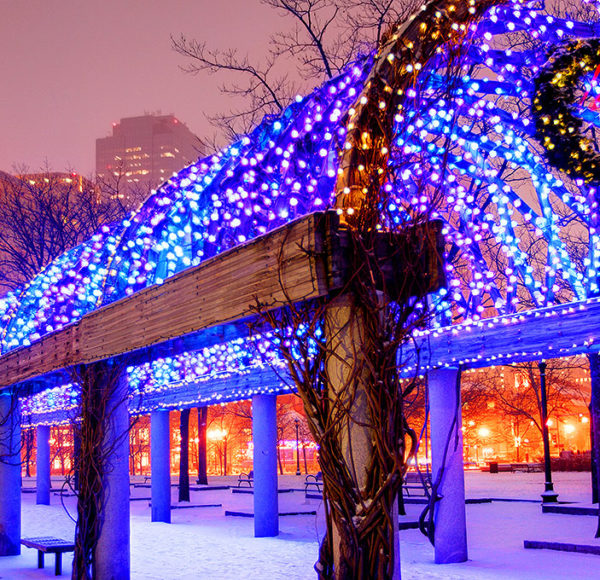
(594, 360)
(160, 459)
(447, 466)
(184, 459)
(42, 482)
(10, 476)
(345, 329)
(112, 554)
(264, 435)
(549, 495)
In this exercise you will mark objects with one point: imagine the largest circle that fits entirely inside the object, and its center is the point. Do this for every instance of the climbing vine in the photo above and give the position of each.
(102, 393)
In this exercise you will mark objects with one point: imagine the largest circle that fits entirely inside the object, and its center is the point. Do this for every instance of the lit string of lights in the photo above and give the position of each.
(519, 234)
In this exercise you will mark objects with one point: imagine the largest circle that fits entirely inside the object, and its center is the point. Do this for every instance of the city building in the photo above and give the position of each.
(144, 151)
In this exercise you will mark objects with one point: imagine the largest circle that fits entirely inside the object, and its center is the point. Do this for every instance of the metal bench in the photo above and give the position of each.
(50, 545)
(247, 478)
(419, 483)
(313, 483)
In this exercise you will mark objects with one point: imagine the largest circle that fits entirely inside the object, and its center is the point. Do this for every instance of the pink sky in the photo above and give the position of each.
(69, 68)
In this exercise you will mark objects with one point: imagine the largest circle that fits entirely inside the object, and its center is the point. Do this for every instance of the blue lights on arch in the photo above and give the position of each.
(519, 234)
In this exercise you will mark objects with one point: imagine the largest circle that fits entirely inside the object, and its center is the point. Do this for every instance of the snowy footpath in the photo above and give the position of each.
(202, 542)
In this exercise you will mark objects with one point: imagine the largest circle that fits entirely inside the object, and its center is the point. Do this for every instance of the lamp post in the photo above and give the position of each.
(297, 448)
(549, 495)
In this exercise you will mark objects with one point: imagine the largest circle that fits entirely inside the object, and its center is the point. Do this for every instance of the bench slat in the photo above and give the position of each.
(48, 544)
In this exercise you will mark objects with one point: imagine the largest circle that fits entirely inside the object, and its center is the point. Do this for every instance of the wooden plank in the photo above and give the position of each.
(544, 333)
(284, 264)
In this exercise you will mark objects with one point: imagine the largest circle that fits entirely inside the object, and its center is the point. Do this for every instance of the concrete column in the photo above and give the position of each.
(42, 480)
(112, 552)
(264, 435)
(447, 466)
(10, 476)
(346, 337)
(160, 459)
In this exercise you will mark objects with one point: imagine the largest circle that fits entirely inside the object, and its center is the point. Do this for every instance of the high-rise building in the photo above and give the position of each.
(145, 151)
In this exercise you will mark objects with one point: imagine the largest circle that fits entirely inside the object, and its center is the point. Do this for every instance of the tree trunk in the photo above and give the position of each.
(279, 458)
(76, 454)
(184, 463)
(202, 419)
(304, 456)
(593, 461)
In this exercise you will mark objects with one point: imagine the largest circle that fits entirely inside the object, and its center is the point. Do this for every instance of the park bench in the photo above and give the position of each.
(418, 483)
(247, 478)
(527, 467)
(313, 483)
(50, 545)
(495, 467)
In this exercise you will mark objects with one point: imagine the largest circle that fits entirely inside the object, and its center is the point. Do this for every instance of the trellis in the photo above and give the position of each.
(522, 246)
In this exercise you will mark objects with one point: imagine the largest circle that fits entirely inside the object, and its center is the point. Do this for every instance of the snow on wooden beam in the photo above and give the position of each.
(544, 333)
(286, 264)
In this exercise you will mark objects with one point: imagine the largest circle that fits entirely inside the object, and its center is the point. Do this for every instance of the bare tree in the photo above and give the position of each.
(511, 397)
(139, 443)
(42, 215)
(319, 38)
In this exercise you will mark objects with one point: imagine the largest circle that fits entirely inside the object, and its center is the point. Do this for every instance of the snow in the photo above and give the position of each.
(203, 542)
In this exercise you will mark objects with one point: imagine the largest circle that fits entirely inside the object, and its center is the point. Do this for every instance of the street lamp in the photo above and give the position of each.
(297, 448)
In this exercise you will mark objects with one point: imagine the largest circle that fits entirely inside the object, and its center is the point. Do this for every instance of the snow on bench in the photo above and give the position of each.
(50, 545)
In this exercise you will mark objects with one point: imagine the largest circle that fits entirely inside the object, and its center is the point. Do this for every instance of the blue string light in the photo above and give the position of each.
(519, 235)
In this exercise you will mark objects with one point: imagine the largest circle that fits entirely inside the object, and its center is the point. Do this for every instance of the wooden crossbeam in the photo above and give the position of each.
(544, 333)
(289, 263)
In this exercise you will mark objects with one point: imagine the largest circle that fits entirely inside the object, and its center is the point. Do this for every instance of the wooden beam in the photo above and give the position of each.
(289, 263)
(545, 333)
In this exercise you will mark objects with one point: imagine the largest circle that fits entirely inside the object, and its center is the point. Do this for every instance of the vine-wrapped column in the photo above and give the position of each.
(447, 466)
(112, 553)
(264, 436)
(10, 475)
(347, 346)
(160, 459)
(42, 479)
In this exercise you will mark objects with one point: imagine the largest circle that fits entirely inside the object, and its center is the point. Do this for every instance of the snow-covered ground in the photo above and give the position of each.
(204, 543)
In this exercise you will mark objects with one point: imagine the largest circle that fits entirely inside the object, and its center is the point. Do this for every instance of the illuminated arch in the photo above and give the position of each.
(519, 234)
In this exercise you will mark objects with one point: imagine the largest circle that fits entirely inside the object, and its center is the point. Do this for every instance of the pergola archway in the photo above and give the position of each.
(521, 237)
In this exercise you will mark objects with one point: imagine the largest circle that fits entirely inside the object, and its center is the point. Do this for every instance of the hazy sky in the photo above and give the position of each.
(70, 68)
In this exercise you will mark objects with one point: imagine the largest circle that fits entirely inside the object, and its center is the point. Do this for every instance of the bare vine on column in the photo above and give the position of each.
(100, 397)
(343, 352)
